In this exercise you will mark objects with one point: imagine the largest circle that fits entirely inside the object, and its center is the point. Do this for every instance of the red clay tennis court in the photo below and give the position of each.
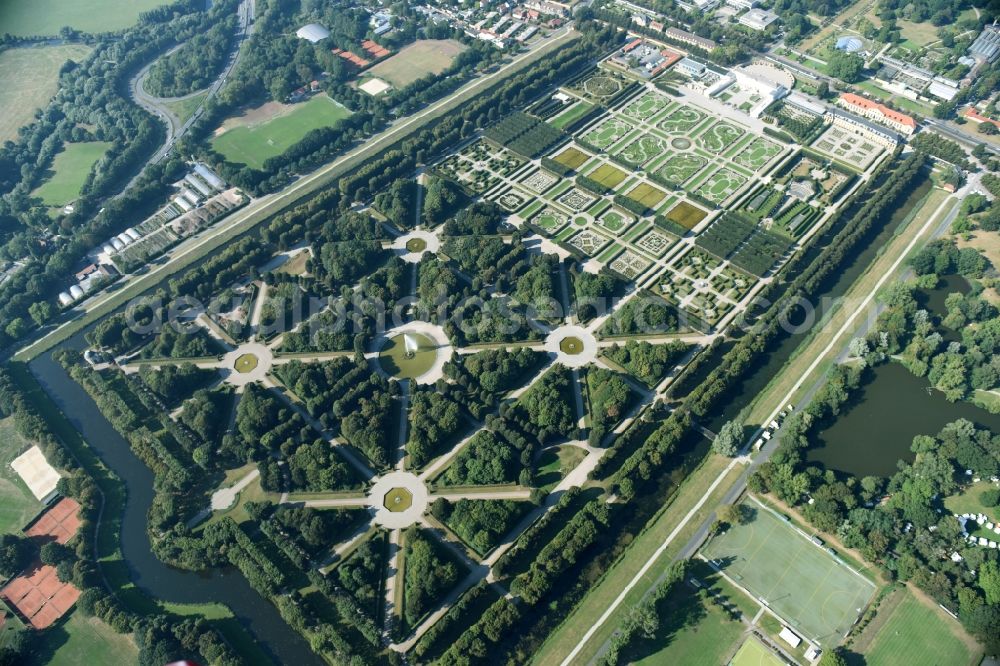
(59, 523)
(40, 597)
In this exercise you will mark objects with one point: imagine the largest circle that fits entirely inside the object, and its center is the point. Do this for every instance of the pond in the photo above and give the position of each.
(876, 430)
(933, 300)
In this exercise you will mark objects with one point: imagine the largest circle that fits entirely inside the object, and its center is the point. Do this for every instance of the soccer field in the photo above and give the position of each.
(817, 594)
(252, 144)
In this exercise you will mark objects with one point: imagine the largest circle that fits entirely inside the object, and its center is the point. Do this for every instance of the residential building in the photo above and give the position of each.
(689, 38)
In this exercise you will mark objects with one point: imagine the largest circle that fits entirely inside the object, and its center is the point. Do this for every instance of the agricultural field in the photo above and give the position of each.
(686, 215)
(647, 195)
(69, 171)
(273, 128)
(28, 18)
(422, 58)
(572, 158)
(29, 78)
(816, 592)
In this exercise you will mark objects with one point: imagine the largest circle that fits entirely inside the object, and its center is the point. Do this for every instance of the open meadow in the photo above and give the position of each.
(273, 128)
(413, 62)
(79, 640)
(908, 631)
(70, 169)
(29, 78)
(17, 504)
(28, 18)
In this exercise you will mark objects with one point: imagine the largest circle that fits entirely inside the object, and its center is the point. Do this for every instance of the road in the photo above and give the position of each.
(261, 208)
(159, 106)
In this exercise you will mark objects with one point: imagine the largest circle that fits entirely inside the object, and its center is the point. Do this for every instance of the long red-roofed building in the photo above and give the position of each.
(880, 113)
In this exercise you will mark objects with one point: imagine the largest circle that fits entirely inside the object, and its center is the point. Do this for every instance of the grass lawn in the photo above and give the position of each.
(395, 360)
(815, 592)
(70, 169)
(252, 143)
(417, 60)
(185, 108)
(602, 595)
(571, 157)
(29, 78)
(755, 653)
(27, 18)
(79, 640)
(573, 113)
(909, 632)
(17, 504)
(246, 363)
(556, 463)
(398, 500)
(692, 632)
(967, 501)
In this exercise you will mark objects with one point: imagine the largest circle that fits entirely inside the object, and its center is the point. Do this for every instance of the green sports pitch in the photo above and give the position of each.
(754, 653)
(817, 594)
(254, 144)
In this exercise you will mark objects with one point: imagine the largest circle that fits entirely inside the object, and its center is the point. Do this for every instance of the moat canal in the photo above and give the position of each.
(166, 583)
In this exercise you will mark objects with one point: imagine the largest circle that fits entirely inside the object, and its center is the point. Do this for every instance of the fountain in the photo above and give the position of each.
(410, 344)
